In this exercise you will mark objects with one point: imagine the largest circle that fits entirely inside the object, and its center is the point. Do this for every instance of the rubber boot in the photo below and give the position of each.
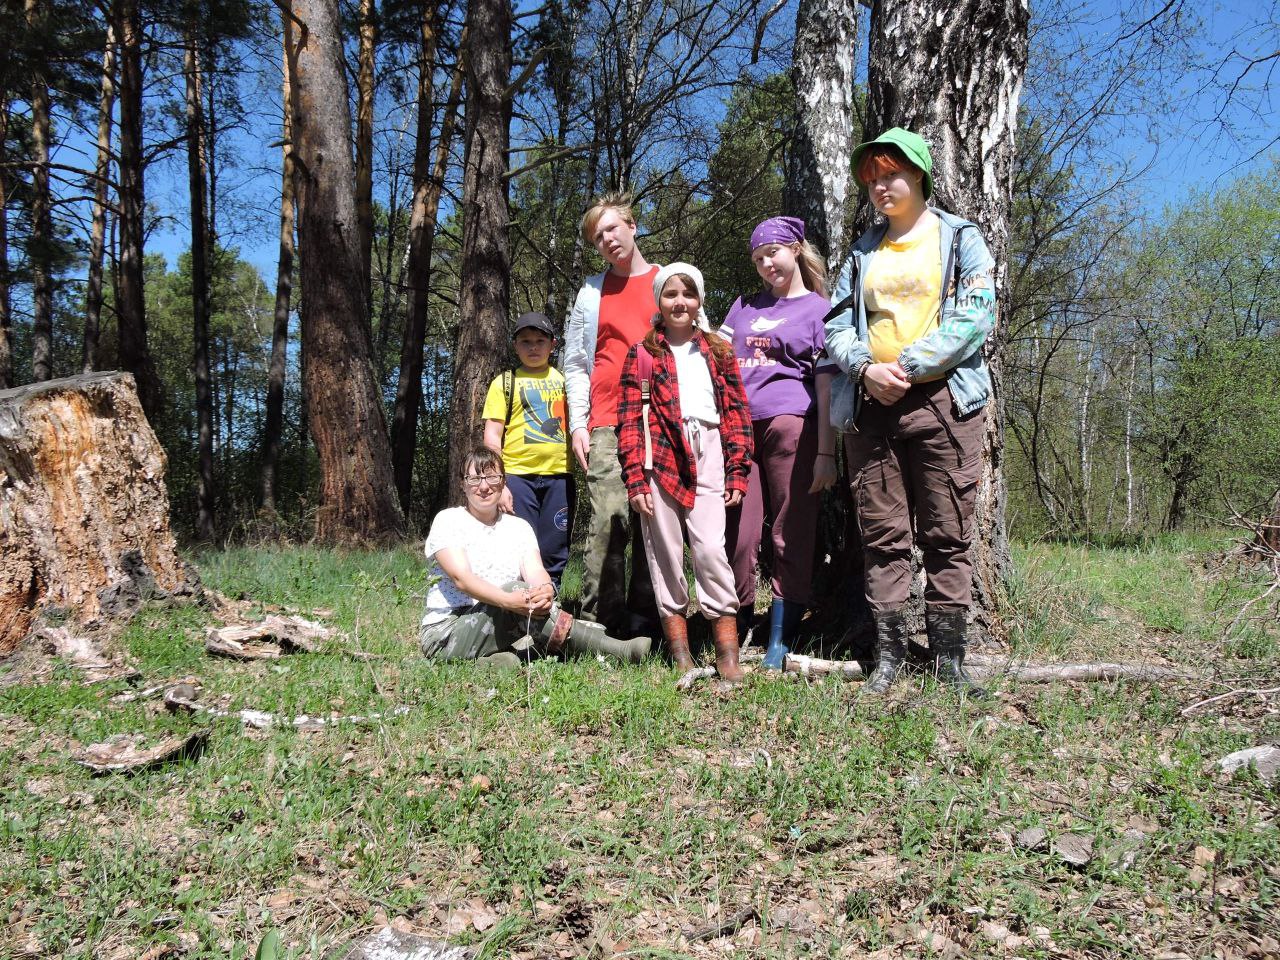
(587, 639)
(502, 660)
(947, 633)
(784, 620)
(725, 632)
(676, 631)
(891, 651)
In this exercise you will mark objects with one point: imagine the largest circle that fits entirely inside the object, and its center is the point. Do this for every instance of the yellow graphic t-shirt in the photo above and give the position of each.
(903, 292)
(534, 442)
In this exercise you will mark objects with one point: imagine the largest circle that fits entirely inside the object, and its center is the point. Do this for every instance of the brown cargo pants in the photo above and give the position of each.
(914, 471)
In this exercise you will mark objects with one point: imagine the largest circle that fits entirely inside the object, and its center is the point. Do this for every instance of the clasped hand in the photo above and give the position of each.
(886, 382)
(535, 600)
(642, 503)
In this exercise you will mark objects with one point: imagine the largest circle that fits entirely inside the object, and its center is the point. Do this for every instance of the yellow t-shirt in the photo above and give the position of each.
(534, 442)
(903, 292)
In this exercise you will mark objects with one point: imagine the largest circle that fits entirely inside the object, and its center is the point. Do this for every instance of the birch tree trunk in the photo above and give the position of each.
(364, 144)
(98, 227)
(818, 174)
(135, 355)
(486, 243)
(357, 496)
(428, 183)
(199, 293)
(40, 243)
(954, 76)
(284, 293)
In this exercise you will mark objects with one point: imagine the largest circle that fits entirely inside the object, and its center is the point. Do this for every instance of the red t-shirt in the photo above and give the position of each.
(626, 314)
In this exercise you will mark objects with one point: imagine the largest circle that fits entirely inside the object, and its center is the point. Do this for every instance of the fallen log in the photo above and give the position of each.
(84, 514)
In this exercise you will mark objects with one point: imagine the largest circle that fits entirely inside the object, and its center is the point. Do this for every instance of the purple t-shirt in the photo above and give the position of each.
(779, 348)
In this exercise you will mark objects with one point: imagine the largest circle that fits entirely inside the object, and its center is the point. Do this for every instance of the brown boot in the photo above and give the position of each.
(725, 631)
(676, 630)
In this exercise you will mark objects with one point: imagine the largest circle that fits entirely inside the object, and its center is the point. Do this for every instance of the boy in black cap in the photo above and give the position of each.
(525, 422)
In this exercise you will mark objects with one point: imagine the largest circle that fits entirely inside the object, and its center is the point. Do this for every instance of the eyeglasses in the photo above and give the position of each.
(492, 479)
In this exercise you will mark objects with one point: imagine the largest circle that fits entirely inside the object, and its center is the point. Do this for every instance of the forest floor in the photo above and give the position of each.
(585, 810)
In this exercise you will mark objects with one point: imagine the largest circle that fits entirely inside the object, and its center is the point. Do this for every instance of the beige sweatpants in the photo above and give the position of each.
(664, 537)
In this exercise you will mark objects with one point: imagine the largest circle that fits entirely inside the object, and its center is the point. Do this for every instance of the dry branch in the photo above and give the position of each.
(1229, 695)
(986, 668)
(727, 925)
(182, 698)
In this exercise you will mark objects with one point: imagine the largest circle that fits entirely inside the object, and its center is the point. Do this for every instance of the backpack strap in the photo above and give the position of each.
(955, 265)
(644, 369)
(509, 382)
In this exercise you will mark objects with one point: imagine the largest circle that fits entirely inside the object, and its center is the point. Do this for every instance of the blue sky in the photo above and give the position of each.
(1186, 139)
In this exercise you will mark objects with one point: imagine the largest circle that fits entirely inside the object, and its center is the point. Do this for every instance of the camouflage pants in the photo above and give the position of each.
(605, 597)
(478, 632)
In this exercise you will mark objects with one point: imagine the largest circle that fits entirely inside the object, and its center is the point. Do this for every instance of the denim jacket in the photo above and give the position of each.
(954, 348)
(579, 356)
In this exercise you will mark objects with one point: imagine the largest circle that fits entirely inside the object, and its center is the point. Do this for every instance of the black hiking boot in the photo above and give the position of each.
(891, 651)
(947, 632)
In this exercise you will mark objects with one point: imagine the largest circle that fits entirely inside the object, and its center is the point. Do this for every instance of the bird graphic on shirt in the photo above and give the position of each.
(542, 423)
(764, 324)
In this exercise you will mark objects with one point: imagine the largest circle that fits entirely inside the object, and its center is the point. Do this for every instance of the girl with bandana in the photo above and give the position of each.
(778, 338)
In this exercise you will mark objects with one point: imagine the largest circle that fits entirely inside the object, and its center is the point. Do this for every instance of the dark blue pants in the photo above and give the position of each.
(543, 502)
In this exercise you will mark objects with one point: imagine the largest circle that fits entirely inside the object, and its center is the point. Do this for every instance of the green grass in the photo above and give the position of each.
(595, 810)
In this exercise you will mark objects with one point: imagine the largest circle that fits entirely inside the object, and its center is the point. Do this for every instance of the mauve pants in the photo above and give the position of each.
(664, 536)
(781, 474)
(915, 466)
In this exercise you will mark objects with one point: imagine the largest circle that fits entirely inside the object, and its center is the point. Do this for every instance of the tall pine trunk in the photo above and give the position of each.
(284, 292)
(357, 493)
(6, 329)
(135, 355)
(428, 183)
(954, 77)
(40, 244)
(364, 144)
(485, 294)
(817, 184)
(98, 227)
(200, 294)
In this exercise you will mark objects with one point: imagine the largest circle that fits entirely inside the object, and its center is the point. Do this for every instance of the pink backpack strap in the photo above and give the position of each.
(644, 370)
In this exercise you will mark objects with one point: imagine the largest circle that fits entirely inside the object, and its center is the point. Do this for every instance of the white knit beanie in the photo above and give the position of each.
(703, 322)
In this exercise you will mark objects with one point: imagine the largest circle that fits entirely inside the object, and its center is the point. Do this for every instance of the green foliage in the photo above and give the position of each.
(584, 797)
(1142, 366)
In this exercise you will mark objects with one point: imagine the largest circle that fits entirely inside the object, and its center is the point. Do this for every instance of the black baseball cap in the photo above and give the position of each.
(535, 320)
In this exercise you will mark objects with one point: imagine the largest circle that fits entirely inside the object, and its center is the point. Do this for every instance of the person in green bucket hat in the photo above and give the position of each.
(915, 301)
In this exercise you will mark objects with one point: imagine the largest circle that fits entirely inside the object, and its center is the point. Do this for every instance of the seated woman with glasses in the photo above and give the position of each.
(488, 596)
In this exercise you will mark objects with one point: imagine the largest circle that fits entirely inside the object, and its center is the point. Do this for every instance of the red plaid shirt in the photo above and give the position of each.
(673, 464)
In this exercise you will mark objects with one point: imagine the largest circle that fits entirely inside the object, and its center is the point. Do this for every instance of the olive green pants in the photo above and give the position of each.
(480, 631)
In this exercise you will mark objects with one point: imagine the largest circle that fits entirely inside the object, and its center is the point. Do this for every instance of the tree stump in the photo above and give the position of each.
(84, 513)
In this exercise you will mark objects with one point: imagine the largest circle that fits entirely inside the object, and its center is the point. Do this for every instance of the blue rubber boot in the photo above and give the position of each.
(778, 635)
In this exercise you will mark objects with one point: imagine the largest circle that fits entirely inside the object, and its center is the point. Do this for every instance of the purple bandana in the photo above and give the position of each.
(777, 230)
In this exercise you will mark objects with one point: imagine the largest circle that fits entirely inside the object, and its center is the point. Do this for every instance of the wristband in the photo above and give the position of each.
(860, 370)
(831, 455)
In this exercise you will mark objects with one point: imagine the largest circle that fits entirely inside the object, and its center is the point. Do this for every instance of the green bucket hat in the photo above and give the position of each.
(913, 148)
